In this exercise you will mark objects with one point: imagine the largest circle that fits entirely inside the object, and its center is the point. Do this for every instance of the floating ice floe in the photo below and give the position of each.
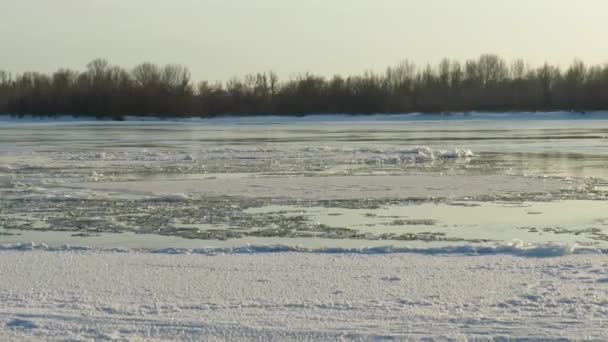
(94, 177)
(419, 155)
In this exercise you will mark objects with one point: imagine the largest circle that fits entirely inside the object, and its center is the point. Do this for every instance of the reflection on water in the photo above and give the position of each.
(414, 225)
(583, 222)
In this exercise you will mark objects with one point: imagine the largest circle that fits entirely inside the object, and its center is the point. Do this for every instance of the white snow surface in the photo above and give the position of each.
(84, 294)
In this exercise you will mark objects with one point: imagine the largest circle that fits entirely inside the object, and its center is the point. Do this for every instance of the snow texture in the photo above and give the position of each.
(84, 294)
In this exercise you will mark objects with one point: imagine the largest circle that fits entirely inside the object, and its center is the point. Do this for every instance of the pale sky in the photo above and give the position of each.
(218, 39)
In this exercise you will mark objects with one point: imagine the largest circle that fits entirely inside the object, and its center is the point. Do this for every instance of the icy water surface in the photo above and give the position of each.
(326, 181)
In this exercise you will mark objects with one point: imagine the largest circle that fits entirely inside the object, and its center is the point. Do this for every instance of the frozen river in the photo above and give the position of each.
(418, 181)
(488, 227)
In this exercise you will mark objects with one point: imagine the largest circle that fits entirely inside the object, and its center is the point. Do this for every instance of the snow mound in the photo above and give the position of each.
(515, 248)
(429, 154)
(419, 155)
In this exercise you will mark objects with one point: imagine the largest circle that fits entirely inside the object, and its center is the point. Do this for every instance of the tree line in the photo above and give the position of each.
(488, 83)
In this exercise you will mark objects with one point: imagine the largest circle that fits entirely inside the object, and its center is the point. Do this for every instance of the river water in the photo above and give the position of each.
(424, 181)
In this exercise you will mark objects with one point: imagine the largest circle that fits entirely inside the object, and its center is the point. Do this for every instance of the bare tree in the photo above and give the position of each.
(147, 75)
(485, 83)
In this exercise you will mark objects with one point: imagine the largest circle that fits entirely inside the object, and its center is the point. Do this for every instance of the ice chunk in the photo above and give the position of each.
(419, 154)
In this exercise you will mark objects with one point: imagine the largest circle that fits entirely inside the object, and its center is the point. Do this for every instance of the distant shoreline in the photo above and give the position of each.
(487, 84)
(414, 116)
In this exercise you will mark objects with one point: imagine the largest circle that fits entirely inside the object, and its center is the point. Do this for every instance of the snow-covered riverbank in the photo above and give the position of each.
(130, 295)
(276, 229)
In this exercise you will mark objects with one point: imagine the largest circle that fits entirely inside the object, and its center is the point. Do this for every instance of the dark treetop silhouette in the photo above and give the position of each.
(486, 84)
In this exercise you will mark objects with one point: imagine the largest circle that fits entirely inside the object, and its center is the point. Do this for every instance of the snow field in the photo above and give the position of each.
(125, 296)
